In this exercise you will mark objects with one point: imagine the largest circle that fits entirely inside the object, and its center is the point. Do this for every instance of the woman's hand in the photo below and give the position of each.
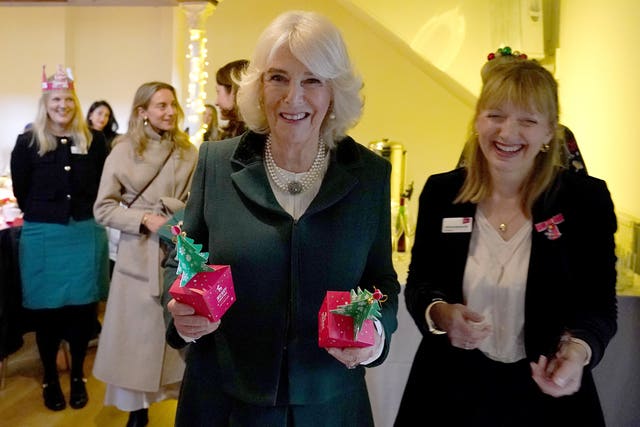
(153, 222)
(189, 324)
(351, 357)
(561, 375)
(466, 328)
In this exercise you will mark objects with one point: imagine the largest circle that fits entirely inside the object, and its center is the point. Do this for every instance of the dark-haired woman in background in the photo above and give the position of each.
(227, 79)
(100, 117)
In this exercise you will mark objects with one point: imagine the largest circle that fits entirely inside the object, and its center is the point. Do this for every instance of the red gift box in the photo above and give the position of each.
(336, 330)
(210, 293)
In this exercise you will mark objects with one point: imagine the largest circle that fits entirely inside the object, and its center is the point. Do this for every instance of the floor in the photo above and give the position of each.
(21, 403)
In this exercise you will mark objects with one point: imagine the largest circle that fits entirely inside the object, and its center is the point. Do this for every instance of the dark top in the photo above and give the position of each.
(59, 185)
(570, 287)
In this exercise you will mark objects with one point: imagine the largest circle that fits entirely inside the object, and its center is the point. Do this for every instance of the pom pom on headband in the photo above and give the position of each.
(506, 51)
(61, 80)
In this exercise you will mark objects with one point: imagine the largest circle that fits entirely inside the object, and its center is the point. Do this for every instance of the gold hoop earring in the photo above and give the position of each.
(545, 148)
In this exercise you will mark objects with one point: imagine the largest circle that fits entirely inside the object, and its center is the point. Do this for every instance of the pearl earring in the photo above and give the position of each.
(545, 148)
(145, 121)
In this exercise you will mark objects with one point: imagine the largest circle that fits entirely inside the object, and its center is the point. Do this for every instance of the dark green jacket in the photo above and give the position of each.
(282, 269)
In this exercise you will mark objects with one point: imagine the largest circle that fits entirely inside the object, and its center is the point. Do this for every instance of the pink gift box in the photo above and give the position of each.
(210, 293)
(336, 330)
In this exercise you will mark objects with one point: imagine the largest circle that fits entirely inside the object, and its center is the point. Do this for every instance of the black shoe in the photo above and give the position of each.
(78, 397)
(139, 418)
(53, 397)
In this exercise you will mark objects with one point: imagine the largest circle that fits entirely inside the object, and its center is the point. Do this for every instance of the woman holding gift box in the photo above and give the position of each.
(64, 263)
(146, 179)
(296, 208)
(512, 277)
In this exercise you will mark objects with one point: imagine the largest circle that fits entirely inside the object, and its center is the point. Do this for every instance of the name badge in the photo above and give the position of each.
(457, 225)
(77, 150)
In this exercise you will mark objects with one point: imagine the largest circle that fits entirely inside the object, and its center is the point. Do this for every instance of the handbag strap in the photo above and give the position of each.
(128, 205)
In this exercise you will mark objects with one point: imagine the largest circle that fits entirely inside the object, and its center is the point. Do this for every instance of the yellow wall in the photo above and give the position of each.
(114, 49)
(407, 99)
(111, 51)
(600, 91)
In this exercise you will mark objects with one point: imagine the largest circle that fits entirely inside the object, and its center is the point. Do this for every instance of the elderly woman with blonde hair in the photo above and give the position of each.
(296, 208)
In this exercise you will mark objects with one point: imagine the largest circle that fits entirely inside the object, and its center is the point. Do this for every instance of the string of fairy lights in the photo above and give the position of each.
(198, 76)
(197, 13)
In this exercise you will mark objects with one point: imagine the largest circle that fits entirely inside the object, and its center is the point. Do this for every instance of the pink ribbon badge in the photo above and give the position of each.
(550, 227)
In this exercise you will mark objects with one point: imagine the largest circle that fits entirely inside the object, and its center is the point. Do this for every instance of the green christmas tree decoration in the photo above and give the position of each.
(190, 260)
(364, 305)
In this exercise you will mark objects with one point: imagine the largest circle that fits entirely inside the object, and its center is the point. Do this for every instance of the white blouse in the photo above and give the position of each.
(494, 284)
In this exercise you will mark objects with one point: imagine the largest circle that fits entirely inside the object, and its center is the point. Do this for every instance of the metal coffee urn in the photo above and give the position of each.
(396, 154)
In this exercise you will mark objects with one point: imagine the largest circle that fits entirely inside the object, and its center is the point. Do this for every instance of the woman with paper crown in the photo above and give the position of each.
(296, 208)
(64, 262)
(146, 180)
(512, 275)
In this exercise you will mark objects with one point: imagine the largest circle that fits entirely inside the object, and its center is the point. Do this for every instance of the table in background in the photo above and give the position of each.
(618, 374)
(12, 318)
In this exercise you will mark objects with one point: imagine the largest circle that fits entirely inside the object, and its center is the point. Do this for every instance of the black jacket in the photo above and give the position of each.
(59, 185)
(570, 287)
(281, 271)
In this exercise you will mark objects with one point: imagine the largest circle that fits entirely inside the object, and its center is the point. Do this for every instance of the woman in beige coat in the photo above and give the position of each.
(132, 358)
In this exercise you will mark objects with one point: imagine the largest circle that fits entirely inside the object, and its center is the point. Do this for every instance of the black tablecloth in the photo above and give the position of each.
(13, 319)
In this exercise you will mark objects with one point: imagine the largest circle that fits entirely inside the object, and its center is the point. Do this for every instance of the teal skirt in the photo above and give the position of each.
(63, 264)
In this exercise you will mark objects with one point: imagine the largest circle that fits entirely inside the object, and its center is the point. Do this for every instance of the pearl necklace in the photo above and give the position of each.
(293, 186)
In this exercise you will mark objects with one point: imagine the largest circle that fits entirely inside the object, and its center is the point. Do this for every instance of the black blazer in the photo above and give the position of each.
(571, 280)
(59, 185)
(570, 287)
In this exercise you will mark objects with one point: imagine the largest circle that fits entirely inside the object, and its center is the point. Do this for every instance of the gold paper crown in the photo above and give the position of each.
(61, 80)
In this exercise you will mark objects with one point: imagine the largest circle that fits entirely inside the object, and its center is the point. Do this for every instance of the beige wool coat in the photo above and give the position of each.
(132, 352)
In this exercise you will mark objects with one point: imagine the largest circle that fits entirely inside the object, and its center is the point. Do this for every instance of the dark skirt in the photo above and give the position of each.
(63, 265)
(453, 387)
(221, 410)
(203, 401)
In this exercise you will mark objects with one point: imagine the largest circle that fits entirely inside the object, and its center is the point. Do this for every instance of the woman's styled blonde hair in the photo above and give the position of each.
(136, 132)
(528, 85)
(78, 131)
(318, 44)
